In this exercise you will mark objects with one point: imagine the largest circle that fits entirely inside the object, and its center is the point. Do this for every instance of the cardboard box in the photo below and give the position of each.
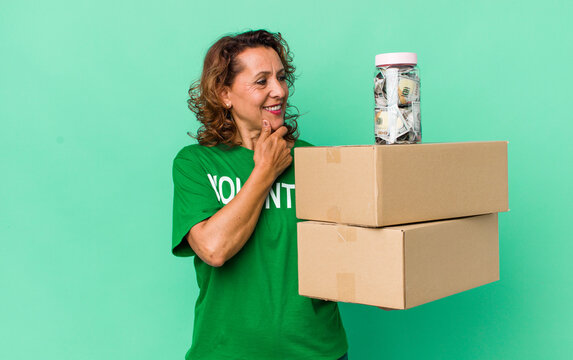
(382, 185)
(400, 266)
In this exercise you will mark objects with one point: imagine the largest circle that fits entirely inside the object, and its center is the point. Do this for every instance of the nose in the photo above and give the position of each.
(277, 89)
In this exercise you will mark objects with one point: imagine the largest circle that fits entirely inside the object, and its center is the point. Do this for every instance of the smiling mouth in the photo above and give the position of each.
(274, 108)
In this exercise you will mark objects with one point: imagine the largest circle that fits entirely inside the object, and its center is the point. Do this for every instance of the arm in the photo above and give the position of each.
(221, 236)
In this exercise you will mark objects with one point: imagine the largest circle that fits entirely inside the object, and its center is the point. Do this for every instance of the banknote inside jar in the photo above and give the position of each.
(404, 78)
(390, 124)
(408, 90)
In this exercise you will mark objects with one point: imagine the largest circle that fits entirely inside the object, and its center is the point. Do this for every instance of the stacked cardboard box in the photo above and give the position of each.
(398, 226)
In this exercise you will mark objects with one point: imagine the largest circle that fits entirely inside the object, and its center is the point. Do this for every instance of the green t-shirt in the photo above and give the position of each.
(249, 308)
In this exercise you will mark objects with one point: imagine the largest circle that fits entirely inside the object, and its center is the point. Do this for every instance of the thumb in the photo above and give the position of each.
(266, 131)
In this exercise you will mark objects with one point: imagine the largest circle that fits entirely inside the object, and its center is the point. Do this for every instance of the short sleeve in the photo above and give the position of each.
(194, 200)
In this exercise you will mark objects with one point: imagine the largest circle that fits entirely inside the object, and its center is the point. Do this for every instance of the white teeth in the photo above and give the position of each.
(272, 108)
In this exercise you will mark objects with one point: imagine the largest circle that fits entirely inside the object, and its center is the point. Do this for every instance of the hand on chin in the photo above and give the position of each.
(276, 124)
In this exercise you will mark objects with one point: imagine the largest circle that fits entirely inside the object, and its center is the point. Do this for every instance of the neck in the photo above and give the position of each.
(249, 137)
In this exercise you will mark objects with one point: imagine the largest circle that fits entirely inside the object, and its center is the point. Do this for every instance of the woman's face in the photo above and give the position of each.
(259, 91)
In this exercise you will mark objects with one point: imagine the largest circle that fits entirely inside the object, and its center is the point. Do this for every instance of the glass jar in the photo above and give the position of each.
(397, 99)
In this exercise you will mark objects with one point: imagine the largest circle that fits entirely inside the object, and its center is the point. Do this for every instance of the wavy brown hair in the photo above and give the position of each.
(219, 70)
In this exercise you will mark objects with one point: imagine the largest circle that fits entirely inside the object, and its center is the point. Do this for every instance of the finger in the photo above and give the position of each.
(265, 131)
(287, 157)
(281, 132)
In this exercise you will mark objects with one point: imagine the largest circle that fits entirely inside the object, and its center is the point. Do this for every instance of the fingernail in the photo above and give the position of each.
(265, 123)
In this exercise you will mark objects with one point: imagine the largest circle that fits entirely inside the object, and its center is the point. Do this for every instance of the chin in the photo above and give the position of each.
(275, 124)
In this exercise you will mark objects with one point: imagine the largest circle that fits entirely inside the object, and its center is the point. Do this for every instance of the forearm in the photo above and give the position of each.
(220, 237)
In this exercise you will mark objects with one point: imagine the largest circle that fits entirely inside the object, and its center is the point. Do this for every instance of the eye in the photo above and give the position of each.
(262, 81)
(282, 77)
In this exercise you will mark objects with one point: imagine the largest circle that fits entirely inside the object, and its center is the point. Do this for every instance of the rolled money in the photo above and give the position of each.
(408, 118)
(379, 94)
(393, 98)
(389, 124)
(392, 86)
(408, 90)
(417, 122)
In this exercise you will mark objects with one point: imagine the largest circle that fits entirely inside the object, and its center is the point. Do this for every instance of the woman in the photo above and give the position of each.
(244, 241)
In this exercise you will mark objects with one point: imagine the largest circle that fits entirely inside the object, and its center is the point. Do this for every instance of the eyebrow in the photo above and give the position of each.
(268, 72)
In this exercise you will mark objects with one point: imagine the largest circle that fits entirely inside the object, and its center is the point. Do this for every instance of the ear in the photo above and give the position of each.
(225, 97)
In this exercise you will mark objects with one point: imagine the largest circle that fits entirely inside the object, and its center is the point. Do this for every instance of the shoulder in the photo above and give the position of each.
(191, 151)
(191, 161)
(196, 154)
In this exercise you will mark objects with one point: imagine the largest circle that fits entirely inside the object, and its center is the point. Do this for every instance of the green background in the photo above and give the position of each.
(92, 108)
